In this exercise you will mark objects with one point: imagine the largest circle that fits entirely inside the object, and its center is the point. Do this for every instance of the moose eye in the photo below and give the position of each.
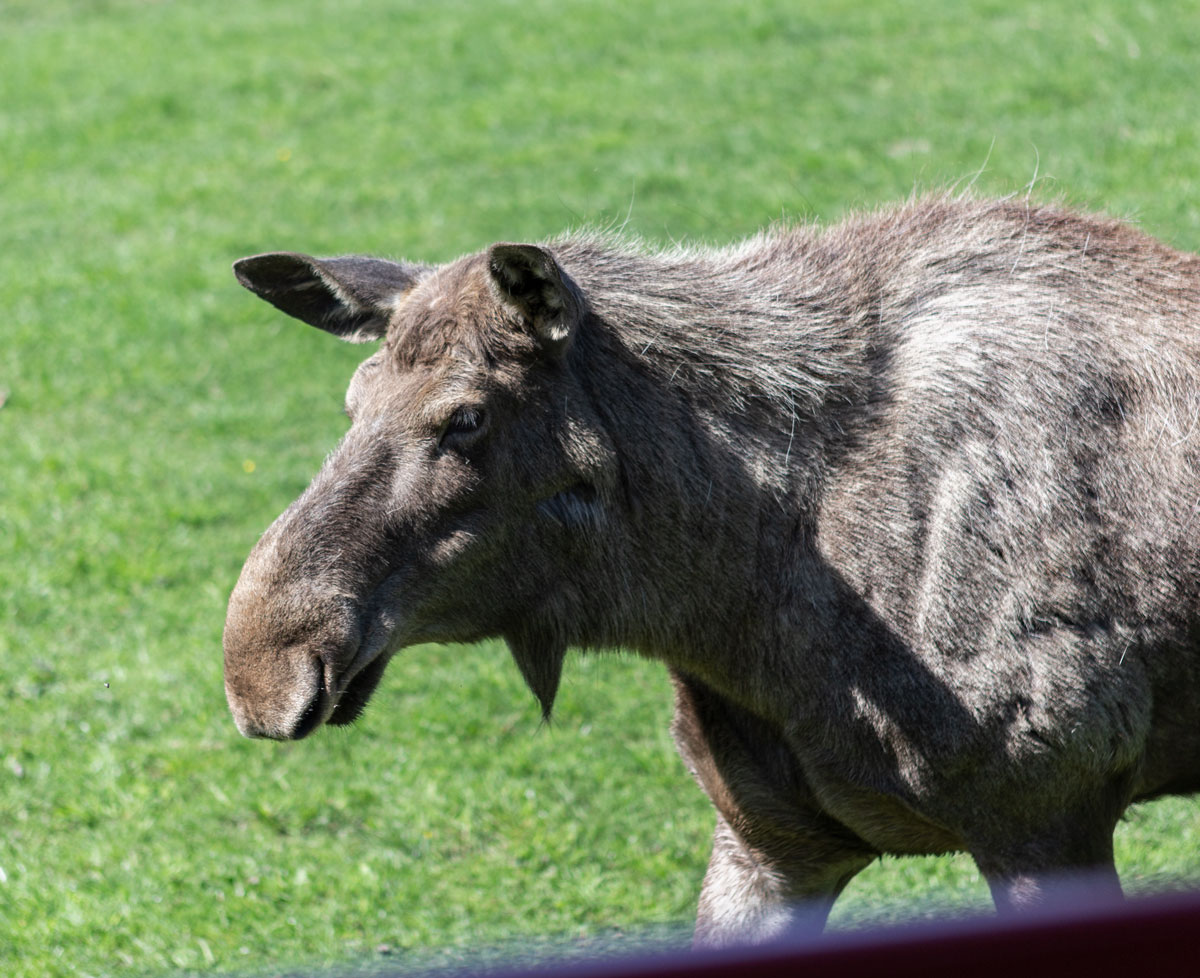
(463, 427)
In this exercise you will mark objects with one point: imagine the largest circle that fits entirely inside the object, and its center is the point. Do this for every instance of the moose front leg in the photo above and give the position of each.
(777, 862)
(748, 900)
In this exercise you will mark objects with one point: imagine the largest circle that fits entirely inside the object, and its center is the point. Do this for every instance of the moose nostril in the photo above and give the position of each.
(310, 719)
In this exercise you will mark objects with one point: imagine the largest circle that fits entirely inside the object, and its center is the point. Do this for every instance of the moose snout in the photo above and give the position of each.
(278, 703)
(289, 643)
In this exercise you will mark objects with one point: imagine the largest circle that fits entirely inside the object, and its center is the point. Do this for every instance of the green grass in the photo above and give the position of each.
(156, 418)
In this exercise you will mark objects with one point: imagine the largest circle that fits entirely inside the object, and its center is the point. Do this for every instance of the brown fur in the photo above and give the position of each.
(909, 507)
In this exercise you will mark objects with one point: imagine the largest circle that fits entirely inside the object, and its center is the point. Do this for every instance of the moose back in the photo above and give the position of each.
(908, 506)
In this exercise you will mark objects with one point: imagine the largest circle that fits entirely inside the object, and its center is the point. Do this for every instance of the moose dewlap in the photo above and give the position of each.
(909, 507)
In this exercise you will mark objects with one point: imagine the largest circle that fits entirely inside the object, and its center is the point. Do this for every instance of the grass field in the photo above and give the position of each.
(156, 418)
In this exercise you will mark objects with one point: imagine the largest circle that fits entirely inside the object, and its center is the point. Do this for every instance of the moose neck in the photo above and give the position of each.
(718, 377)
(771, 328)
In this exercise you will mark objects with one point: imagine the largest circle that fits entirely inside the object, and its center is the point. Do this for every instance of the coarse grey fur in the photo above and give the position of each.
(908, 506)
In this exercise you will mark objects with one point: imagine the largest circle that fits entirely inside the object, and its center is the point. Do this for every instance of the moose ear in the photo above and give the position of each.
(530, 281)
(353, 298)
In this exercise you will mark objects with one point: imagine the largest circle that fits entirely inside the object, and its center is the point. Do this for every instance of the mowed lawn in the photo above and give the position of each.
(155, 418)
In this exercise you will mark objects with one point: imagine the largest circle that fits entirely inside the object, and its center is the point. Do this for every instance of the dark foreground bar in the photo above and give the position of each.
(1145, 937)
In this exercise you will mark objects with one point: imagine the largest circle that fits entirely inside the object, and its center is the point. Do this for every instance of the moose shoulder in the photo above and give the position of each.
(910, 508)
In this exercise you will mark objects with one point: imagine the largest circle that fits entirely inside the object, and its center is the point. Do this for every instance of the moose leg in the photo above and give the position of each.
(777, 862)
(747, 900)
(1066, 858)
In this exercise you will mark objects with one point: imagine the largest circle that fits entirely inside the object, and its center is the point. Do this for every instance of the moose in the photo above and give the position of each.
(908, 505)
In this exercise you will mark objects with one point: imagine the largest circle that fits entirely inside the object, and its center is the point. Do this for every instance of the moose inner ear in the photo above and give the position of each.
(352, 297)
(530, 281)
